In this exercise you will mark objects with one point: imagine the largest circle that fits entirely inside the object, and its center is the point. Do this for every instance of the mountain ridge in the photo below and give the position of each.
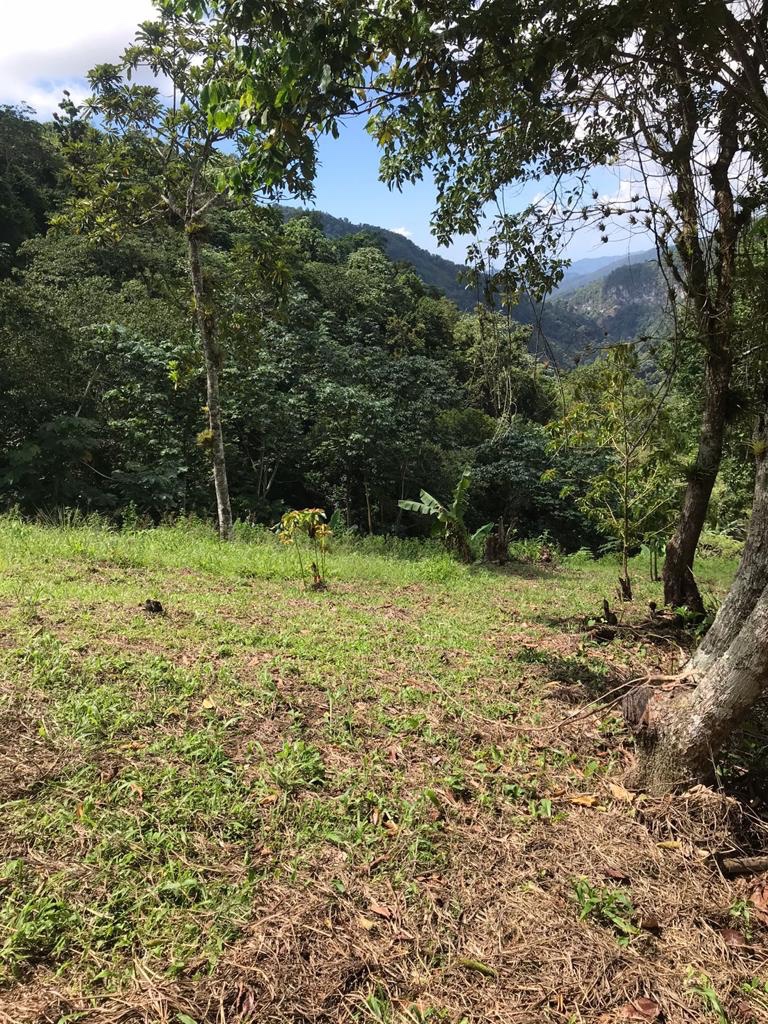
(434, 270)
(603, 297)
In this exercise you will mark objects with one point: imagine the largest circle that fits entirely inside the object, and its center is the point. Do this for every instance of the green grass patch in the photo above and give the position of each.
(173, 770)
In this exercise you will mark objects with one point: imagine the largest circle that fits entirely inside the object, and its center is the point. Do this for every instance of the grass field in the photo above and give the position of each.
(268, 804)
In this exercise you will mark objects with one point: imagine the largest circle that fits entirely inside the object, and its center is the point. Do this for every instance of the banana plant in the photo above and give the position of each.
(451, 516)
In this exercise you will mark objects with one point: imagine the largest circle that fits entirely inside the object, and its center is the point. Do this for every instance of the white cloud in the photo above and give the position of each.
(402, 231)
(47, 46)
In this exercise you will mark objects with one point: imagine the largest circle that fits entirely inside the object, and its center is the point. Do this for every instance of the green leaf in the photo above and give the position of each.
(479, 967)
(479, 535)
(416, 506)
(461, 492)
(432, 503)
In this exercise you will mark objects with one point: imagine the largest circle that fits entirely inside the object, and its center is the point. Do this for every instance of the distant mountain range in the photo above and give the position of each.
(601, 299)
(583, 272)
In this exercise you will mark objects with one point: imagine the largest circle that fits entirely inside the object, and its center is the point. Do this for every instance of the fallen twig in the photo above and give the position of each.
(744, 865)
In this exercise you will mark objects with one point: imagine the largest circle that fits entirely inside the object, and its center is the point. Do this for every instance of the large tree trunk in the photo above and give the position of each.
(681, 736)
(212, 358)
(752, 577)
(680, 588)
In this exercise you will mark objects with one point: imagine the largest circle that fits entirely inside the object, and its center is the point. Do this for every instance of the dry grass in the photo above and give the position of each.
(345, 807)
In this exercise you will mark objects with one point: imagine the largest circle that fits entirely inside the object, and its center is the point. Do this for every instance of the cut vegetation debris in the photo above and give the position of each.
(275, 805)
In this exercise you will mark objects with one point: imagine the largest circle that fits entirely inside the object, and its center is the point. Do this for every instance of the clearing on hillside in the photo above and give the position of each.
(390, 802)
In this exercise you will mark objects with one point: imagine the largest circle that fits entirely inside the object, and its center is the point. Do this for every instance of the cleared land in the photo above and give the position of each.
(269, 805)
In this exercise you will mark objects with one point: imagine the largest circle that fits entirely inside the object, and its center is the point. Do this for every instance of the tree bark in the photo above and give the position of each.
(682, 737)
(679, 738)
(212, 359)
(680, 586)
(752, 577)
(368, 508)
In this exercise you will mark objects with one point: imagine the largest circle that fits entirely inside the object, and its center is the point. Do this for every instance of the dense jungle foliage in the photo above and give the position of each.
(347, 382)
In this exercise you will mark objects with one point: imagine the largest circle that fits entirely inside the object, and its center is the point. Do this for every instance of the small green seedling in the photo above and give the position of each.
(700, 985)
(607, 905)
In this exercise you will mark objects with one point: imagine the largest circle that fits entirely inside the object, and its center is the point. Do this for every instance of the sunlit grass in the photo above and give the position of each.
(169, 766)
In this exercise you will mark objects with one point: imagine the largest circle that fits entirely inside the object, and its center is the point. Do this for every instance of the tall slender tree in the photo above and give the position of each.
(175, 150)
(617, 418)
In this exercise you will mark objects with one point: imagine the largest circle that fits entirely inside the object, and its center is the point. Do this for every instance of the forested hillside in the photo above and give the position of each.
(349, 378)
(435, 271)
(563, 328)
(627, 303)
(348, 382)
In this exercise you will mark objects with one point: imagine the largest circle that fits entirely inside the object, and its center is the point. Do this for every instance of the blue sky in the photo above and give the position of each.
(348, 186)
(47, 46)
